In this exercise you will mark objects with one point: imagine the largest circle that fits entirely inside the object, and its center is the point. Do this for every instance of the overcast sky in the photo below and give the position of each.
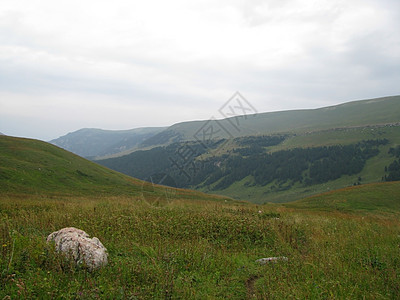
(65, 65)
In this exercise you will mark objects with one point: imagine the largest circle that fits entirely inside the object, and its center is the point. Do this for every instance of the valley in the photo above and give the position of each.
(221, 167)
(339, 239)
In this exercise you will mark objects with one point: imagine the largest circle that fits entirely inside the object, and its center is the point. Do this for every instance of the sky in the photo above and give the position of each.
(66, 65)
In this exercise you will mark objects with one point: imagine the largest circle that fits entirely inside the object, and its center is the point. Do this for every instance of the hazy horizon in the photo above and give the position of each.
(72, 65)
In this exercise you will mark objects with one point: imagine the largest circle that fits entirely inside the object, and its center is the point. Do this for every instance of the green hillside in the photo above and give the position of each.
(370, 197)
(357, 113)
(32, 167)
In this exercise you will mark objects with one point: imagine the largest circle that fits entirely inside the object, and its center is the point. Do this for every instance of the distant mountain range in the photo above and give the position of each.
(90, 142)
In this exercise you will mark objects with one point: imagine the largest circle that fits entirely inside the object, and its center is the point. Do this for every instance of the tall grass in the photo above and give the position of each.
(198, 250)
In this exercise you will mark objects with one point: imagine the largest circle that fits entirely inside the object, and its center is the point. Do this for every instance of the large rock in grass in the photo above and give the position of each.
(76, 244)
(264, 261)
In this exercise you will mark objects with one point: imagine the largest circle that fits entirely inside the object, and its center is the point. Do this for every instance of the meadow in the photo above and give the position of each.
(199, 249)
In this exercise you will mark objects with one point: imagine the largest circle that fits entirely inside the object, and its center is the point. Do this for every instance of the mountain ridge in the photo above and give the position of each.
(359, 113)
(294, 121)
(93, 142)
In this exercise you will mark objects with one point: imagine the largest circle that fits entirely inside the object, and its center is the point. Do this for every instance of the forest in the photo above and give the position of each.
(190, 165)
(393, 170)
(304, 165)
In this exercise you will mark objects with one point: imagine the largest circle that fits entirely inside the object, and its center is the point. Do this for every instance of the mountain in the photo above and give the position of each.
(357, 113)
(32, 167)
(90, 142)
(345, 145)
(97, 143)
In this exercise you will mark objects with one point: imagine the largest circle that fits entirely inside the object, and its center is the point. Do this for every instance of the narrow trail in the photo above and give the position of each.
(250, 286)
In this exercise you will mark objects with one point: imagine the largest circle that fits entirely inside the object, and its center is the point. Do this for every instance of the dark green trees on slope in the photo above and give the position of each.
(306, 166)
(394, 168)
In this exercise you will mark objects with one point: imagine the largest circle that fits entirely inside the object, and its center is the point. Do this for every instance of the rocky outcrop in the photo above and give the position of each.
(82, 249)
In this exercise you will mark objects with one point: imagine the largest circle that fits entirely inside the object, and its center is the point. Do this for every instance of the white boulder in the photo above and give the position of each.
(76, 244)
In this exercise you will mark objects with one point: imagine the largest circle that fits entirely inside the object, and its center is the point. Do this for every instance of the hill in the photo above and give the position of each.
(36, 167)
(32, 167)
(384, 197)
(384, 110)
(90, 142)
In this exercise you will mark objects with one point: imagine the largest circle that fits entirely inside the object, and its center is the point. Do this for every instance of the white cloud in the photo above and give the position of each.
(131, 59)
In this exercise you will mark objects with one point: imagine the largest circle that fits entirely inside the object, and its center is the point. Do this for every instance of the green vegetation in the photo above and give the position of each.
(373, 171)
(393, 169)
(31, 166)
(168, 243)
(381, 197)
(35, 167)
(286, 167)
(193, 250)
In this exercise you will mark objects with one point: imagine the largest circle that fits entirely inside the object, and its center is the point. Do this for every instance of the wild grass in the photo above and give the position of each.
(189, 249)
(376, 198)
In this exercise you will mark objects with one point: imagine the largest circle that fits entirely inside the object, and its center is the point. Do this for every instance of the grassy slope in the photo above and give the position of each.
(35, 167)
(370, 197)
(188, 250)
(30, 166)
(356, 113)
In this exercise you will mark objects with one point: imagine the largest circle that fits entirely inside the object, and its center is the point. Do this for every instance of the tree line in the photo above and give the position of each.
(393, 170)
(304, 165)
(190, 165)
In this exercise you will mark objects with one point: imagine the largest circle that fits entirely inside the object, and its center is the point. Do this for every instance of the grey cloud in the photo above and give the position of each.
(372, 53)
(366, 65)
